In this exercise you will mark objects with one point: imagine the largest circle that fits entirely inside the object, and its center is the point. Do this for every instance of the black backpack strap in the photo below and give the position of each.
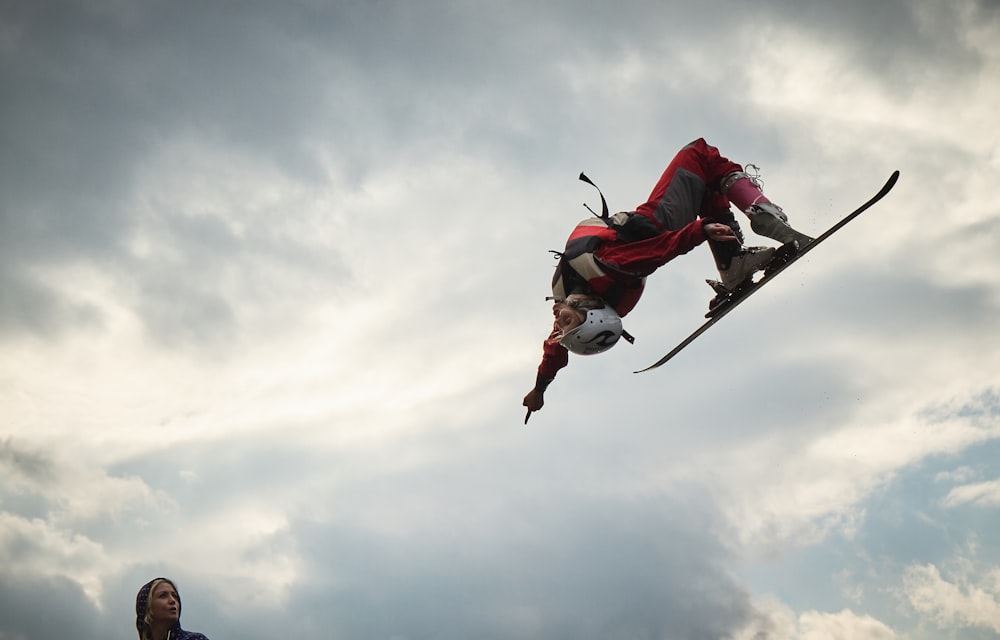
(604, 204)
(606, 217)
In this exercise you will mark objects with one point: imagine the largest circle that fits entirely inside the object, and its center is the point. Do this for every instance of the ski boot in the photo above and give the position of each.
(737, 276)
(744, 264)
(768, 220)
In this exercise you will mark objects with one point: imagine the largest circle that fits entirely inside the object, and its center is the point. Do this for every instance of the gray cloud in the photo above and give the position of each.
(45, 608)
(594, 574)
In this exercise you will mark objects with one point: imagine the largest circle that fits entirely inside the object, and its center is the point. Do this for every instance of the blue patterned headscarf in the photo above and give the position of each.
(142, 603)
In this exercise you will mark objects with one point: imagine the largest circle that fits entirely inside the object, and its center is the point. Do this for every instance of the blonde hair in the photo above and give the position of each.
(581, 303)
(147, 621)
(584, 302)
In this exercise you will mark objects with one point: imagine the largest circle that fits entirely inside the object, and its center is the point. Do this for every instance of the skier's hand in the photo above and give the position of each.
(534, 401)
(719, 232)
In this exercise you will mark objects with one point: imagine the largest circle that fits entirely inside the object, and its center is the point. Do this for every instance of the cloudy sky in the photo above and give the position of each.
(272, 287)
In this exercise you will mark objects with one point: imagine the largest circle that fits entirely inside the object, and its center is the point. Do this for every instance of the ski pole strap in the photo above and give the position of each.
(604, 204)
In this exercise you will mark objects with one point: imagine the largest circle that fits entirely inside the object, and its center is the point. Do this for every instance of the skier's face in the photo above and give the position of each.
(567, 318)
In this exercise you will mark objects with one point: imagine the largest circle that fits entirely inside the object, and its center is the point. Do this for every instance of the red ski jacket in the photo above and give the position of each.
(611, 260)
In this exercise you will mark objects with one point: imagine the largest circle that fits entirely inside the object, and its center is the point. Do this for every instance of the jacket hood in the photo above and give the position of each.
(142, 603)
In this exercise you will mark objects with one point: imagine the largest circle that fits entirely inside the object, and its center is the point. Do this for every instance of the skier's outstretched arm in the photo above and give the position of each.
(554, 357)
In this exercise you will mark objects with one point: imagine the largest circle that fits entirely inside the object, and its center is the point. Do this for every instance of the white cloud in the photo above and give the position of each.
(961, 474)
(804, 489)
(957, 601)
(980, 494)
(777, 621)
(845, 625)
(68, 520)
(75, 495)
(36, 547)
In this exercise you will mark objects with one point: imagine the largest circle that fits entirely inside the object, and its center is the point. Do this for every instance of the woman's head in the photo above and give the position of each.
(586, 325)
(572, 312)
(156, 605)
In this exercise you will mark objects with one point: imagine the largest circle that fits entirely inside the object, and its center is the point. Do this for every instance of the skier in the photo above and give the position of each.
(602, 271)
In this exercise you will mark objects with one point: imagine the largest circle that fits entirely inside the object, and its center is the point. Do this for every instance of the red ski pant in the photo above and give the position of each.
(689, 188)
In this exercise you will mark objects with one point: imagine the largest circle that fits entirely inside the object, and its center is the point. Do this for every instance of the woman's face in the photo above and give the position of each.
(567, 318)
(164, 604)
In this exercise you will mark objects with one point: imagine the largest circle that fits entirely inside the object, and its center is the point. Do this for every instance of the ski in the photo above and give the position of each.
(769, 274)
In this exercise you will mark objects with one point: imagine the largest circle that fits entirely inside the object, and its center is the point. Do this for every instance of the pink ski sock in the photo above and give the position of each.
(744, 193)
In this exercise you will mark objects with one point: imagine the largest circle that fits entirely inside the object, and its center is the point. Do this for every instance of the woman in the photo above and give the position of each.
(158, 612)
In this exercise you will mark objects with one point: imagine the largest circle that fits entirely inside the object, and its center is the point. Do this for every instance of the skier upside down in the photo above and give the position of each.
(602, 271)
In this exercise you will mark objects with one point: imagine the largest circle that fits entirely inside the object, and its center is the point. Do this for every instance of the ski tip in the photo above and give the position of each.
(886, 188)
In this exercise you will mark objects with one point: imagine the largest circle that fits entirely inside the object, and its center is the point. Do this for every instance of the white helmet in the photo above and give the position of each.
(600, 331)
